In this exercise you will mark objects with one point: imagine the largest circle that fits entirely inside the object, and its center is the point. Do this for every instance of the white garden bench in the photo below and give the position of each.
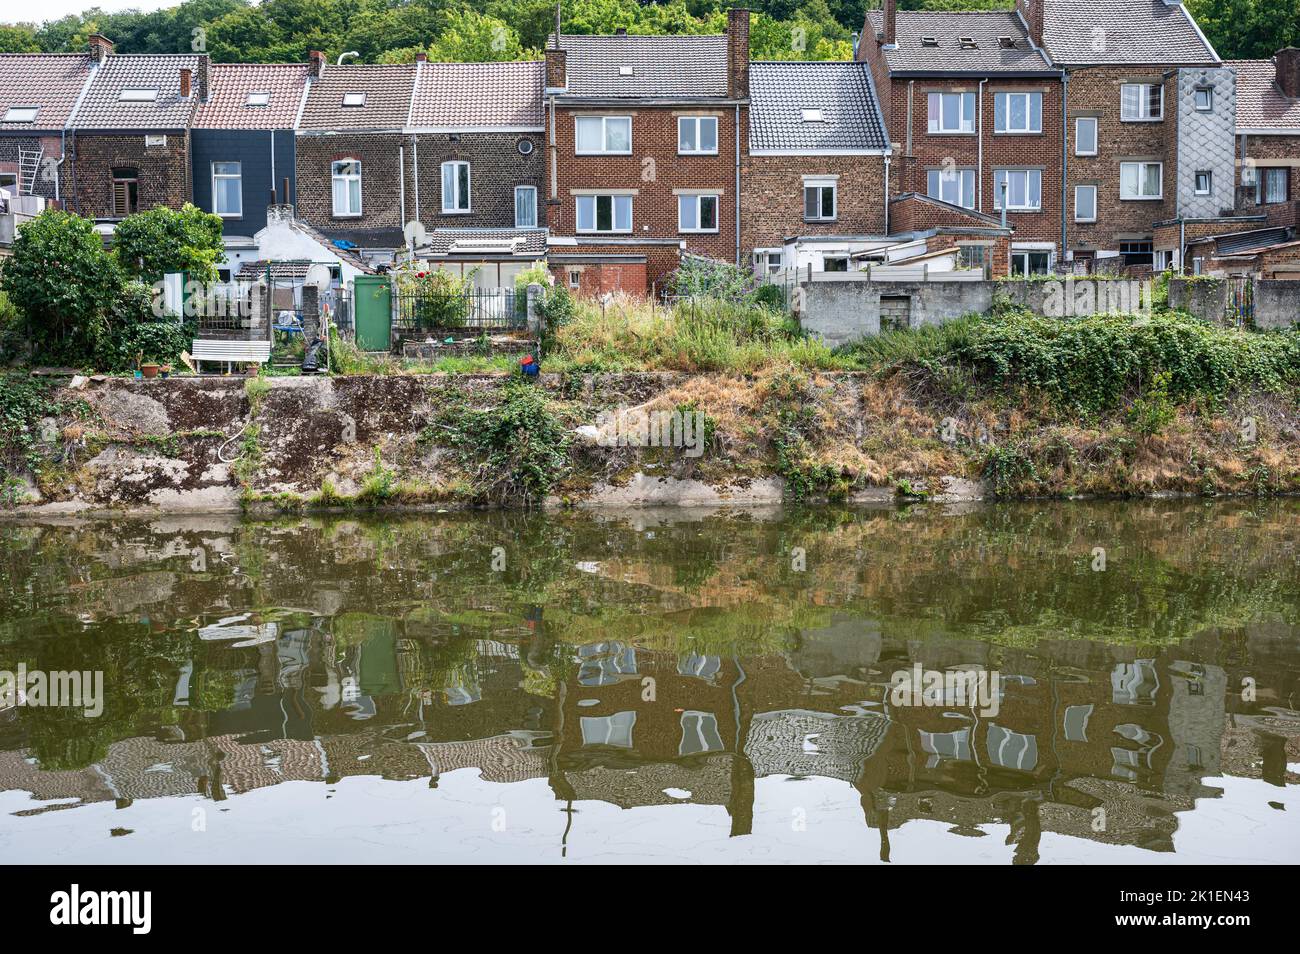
(231, 351)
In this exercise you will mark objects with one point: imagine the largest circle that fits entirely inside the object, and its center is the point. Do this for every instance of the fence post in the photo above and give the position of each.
(310, 313)
(533, 311)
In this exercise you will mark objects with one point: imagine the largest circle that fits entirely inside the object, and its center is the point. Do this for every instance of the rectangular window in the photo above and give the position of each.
(525, 207)
(1018, 112)
(346, 187)
(1024, 189)
(1204, 182)
(455, 188)
(836, 263)
(227, 189)
(609, 135)
(1270, 186)
(1205, 99)
(1136, 253)
(697, 213)
(1085, 136)
(575, 278)
(1030, 262)
(819, 201)
(1140, 180)
(354, 99)
(971, 256)
(604, 213)
(137, 95)
(1141, 102)
(951, 112)
(956, 186)
(126, 192)
(1085, 203)
(697, 135)
(21, 114)
(258, 99)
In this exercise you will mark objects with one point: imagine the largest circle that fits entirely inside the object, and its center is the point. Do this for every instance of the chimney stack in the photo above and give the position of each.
(557, 75)
(738, 54)
(203, 78)
(620, 31)
(187, 76)
(890, 23)
(100, 47)
(422, 57)
(1287, 63)
(1031, 11)
(317, 59)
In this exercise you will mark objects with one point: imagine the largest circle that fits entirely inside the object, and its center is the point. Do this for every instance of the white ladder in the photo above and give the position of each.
(29, 163)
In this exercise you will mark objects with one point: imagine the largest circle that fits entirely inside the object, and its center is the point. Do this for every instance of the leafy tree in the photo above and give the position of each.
(18, 38)
(63, 281)
(150, 244)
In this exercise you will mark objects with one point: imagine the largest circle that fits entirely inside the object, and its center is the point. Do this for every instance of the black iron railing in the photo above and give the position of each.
(414, 313)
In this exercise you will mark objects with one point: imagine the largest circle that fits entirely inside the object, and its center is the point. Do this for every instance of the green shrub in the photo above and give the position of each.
(149, 245)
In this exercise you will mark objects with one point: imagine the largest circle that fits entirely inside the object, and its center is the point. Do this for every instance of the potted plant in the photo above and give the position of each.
(166, 370)
(150, 369)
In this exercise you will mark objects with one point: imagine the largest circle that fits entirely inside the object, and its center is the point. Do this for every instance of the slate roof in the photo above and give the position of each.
(780, 91)
(686, 67)
(1132, 31)
(1260, 103)
(229, 85)
(52, 81)
(479, 95)
(522, 243)
(985, 28)
(388, 97)
(102, 109)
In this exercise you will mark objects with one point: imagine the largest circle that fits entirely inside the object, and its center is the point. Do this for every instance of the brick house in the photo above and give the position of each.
(1148, 124)
(242, 149)
(817, 158)
(128, 136)
(1268, 136)
(38, 92)
(352, 165)
(645, 135)
(972, 102)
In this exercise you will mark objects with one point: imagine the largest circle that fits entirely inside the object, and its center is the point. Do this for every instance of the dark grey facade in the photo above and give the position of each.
(266, 159)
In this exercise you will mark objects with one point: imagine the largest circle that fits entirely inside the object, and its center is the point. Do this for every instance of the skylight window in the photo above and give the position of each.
(929, 41)
(625, 71)
(813, 116)
(258, 99)
(21, 114)
(1007, 42)
(137, 94)
(967, 42)
(354, 99)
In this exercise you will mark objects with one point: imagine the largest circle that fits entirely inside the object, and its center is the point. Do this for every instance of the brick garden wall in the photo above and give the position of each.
(162, 171)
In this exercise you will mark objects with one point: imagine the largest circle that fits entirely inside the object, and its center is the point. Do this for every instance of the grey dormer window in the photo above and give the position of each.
(929, 41)
(968, 43)
(354, 99)
(258, 99)
(21, 114)
(1007, 42)
(137, 94)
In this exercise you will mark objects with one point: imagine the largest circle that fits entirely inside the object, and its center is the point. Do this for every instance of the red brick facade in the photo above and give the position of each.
(1266, 152)
(772, 203)
(161, 171)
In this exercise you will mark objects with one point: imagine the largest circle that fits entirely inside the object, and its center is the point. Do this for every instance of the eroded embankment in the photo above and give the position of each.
(408, 440)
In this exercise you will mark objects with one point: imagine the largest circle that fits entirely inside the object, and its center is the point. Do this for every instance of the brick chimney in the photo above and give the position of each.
(422, 57)
(738, 54)
(557, 74)
(100, 47)
(1287, 62)
(317, 59)
(889, 23)
(187, 77)
(204, 77)
(1032, 12)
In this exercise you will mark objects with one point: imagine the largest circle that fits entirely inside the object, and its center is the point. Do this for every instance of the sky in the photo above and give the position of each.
(12, 11)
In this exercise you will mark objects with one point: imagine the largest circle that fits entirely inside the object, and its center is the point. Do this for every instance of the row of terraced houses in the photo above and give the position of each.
(1061, 136)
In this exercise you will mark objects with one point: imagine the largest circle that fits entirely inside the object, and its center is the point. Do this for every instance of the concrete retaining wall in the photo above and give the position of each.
(1277, 303)
(1204, 298)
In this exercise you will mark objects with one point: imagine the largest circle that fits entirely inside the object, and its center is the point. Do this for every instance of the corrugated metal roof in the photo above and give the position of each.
(479, 95)
(1122, 31)
(660, 66)
(105, 108)
(913, 54)
(50, 81)
(228, 105)
(847, 115)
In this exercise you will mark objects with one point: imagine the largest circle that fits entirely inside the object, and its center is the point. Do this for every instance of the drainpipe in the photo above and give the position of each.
(910, 85)
(58, 166)
(401, 180)
(415, 161)
(286, 198)
(979, 147)
(886, 193)
(1065, 154)
(1004, 201)
(737, 200)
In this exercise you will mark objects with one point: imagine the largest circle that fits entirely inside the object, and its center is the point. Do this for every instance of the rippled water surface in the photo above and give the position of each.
(662, 686)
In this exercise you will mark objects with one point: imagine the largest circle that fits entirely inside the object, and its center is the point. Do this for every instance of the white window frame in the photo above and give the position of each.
(965, 186)
(455, 207)
(594, 198)
(263, 95)
(137, 94)
(1029, 128)
(934, 117)
(604, 135)
(1209, 182)
(819, 185)
(22, 116)
(353, 100)
(1028, 174)
(1196, 99)
(697, 122)
(1026, 253)
(526, 225)
(238, 177)
(1141, 166)
(1077, 216)
(1144, 114)
(336, 176)
(695, 198)
(1078, 151)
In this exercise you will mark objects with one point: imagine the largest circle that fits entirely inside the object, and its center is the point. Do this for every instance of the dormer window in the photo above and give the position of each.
(968, 43)
(929, 41)
(1007, 42)
(258, 99)
(354, 99)
(136, 94)
(21, 114)
(812, 116)
(625, 71)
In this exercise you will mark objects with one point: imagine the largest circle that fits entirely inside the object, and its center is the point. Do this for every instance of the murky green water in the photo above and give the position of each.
(667, 686)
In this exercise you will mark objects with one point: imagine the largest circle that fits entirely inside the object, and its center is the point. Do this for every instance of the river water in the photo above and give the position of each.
(661, 686)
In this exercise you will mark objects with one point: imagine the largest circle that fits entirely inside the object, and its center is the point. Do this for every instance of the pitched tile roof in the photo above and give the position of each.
(661, 66)
(479, 95)
(387, 91)
(230, 84)
(779, 92)
(52, 81)
(103, 108)
(985, 28)
(1123, 31)
(1260, 103)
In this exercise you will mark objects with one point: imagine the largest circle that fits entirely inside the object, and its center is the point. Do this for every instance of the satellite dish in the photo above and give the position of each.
(318, 275)
(415, 234)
